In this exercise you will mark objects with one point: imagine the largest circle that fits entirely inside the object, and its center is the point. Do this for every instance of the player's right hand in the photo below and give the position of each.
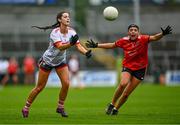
(91, 44)
(74, 39)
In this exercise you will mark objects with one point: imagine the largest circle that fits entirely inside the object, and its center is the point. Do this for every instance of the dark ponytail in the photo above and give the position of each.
(47, 27)
(57, 24)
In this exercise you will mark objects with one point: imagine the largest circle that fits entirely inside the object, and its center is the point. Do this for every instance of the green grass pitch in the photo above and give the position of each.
(148, 104)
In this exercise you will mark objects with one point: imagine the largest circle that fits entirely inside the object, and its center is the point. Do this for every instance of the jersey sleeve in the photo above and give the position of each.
(54, 36)
(119, 43)
(145, 38)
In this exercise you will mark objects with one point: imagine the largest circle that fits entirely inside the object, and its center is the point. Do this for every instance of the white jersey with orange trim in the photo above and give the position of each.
(54, 56)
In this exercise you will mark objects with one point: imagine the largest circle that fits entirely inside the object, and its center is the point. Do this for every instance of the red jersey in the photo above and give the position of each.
(13, 67)
(29, 65)
(135, 52)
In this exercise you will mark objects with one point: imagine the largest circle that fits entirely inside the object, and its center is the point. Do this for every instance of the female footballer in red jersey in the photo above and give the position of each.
(135, 62)
(61, 38)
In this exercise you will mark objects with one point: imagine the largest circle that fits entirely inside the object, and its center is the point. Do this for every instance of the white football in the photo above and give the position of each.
(110, 13)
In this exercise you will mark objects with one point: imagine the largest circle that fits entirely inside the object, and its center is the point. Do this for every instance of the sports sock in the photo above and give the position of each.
(61, 104)
(27, 106)
(114, 108)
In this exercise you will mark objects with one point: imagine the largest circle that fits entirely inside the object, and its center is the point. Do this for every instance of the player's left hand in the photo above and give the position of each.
(166, 31)
(88, 54)
(74, 39)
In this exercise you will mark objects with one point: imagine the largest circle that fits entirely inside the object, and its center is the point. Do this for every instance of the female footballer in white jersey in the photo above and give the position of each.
(62, 37)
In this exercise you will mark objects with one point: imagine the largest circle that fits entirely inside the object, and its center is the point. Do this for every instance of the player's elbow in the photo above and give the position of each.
(152, 38)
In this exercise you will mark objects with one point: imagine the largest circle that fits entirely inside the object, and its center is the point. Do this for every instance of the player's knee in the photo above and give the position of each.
(124, 83)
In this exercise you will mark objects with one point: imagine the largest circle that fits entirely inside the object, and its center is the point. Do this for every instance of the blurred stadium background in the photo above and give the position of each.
(153, 104)
(18, 39)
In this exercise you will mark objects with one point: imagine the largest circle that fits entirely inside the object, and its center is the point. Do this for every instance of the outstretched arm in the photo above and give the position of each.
(84, 51)
(92, 44)
(106, 45)
(158, 36)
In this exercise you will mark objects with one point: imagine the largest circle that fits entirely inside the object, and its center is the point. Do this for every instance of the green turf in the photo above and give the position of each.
(150, 104)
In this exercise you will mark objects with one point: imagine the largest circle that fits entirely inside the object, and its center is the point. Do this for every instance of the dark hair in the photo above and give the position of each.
(133, 25)
(57, 24)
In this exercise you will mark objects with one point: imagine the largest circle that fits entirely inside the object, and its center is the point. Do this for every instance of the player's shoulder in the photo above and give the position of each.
(55, 30)
(71, 30)
(143, 35)
(125, 38)
(122, 40)
(144, 38)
